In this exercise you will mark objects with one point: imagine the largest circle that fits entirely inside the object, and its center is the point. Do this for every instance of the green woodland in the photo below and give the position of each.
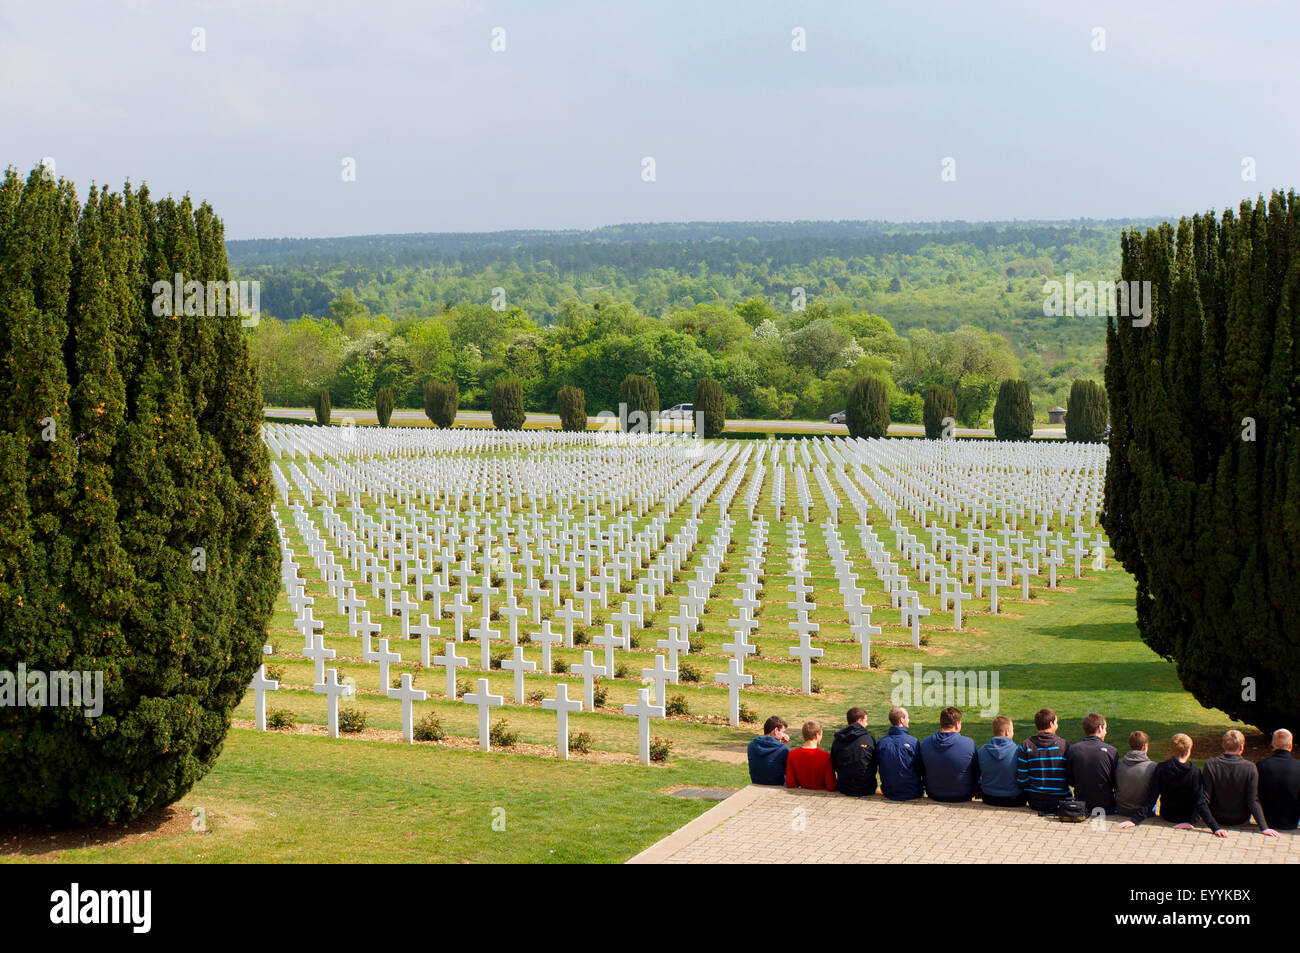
(785, 316)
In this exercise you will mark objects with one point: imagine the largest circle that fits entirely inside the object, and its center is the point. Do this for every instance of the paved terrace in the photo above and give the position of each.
(761, 825)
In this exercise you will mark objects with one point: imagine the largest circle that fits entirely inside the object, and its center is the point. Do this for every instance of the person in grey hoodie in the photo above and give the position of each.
(1133, 776)
(997, 761)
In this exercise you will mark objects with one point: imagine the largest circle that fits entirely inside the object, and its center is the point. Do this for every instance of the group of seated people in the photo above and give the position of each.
(1041, 772)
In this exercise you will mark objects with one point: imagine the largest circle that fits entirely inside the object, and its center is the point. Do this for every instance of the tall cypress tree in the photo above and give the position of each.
(1013, 414)
(866, 411)
(1085, 419)
(1203, 486)
(136, 541)
(940, 404)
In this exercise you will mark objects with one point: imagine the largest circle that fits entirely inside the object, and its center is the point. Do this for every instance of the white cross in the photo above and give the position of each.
(384, 657)
(660, 674)
(485, 701)
(260, 685)
(568, 615)
(673, 644)
(518, 664)
(318, 654)
(561, 704)
(644, 711)
(486, 635)
(451, 661)
(332, 689)
(733, 678)
(407, 694)
(609, 641)
(805, 652)
(740, 648)
(547, 637)
(588, 669)
(424, 632)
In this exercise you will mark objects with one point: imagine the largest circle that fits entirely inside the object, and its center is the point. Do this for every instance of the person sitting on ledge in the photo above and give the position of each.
(1279, 784)
(1133, 775)
(898, 756)
(997, 760)
(1232, 785)
(1041, 765)
(853, 755)
(949, 761)
(810, 767)
(768, 753)
(1090, 766)
(1178, 786)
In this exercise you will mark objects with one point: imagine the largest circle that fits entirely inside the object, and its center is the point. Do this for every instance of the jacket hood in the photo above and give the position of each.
(945, 739)
(1001, 741)
(851, 732)
(768, 742)
(1135, 757)
(1045, 739)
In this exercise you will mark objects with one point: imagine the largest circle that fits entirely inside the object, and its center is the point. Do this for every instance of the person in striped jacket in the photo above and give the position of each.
(1041, 767)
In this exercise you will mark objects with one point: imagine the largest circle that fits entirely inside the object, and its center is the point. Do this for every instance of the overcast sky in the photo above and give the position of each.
(551, 132)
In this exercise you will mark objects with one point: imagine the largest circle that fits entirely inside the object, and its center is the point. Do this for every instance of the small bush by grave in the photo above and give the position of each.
(351, 720)
(281, 718)
(747, 715)
(677, 705)
(686, 672)
(501, 736)
(429, 728)
(659, 748)
(580, 741)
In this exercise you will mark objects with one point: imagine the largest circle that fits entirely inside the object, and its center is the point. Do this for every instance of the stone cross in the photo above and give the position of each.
(485, 701)
(660, 674)
(588, 669)
(805, 652)
(644, 711)
(384, 657)
(424, 632)
(547, 637)
(518, 664)
(733, 678)
(562, 705)
(451, 661)
(260, 686)
(673, 644)
(318, 654)
(407, 694)
(332, 689)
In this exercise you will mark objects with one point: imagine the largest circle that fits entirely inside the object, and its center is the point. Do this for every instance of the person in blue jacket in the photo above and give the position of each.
(898, 757)
(949, 761)
(998, 785)
(768, 752)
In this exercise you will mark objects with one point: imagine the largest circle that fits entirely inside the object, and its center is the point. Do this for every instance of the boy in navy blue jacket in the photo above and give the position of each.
(768, 753)
(998, 785)
(898, 758)
(949, 761)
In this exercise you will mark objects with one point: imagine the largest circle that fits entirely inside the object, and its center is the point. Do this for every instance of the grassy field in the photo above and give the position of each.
(304, 797)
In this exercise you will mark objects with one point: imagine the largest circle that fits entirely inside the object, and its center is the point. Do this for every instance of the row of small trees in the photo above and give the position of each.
(639, 394)
(867, 411)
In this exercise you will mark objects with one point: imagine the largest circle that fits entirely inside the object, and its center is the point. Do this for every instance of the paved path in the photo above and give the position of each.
(758, 825)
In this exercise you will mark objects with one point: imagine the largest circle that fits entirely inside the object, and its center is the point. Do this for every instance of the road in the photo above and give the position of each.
(483, 418)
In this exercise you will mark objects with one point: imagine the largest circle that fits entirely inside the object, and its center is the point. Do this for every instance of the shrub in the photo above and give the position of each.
(1085, 418)
(351, 720)
(599, 694)
(677, 705)
(580, 741)
(634, 637)
(580, 637)
(747, 715)
(559, 666)
(940, 402)
(536, 696)
(696, 644)
(712, 401)
(508, 404)
(621, 670)
(441, 401)
(497, 658)
(384, 405)
(274, 672)
(659, 748)
(429, 728)
(867, 408)
(686, 672)
(501, 736)
(571, 403)
(281, 718)
(463, 686)
(320, 405)
(639, 394)
(876, 659)
(816, 686)
(1013, 413)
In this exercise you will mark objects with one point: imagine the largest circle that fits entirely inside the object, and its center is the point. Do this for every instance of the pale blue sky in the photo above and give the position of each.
(451, 136)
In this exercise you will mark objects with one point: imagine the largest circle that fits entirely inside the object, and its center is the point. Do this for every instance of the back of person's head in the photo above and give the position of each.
(811, 730)
(1138, 740)
(1180, 745)
(1002, 726)
(1282, 740)
(772, 724)
(1233, 741)
(950, 718)
(855, 715)
(897, 716)
(1044, 718)
(1092, 724)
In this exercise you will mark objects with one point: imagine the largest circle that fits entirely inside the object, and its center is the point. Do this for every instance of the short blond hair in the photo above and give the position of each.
(811, 729)
(1233, 740)
(1181, 745)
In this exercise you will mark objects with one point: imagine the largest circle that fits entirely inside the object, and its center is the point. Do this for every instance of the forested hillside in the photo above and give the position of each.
(949, 303)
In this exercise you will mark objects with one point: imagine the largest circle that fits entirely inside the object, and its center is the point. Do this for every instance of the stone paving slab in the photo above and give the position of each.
(772, 825)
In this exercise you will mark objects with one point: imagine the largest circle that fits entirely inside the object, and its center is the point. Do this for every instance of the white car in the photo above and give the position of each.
(840, 417)
(678, 412)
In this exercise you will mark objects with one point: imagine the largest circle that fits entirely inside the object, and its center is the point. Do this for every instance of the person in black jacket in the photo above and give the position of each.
(1091, 766)
(1232, 785)
(1279, 784)
(1177, 784)
(853, 756)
